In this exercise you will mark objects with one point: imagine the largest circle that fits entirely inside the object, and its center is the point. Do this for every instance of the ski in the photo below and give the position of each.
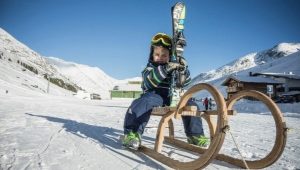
(178, 17)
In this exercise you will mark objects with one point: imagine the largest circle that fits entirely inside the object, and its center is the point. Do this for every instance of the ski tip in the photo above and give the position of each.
(179, 3)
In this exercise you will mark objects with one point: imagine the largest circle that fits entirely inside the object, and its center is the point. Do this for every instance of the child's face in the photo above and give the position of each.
(161, 55)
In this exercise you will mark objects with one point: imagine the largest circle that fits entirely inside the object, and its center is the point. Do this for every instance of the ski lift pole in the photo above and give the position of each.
(48, 78)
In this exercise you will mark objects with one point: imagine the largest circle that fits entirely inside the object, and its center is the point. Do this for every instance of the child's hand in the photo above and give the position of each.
(183, 62)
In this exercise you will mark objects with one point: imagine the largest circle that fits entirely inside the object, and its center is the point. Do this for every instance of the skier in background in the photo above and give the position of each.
(205, 103)
(156, 83)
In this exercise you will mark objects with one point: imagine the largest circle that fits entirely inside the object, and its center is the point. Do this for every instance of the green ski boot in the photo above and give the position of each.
(132, 140)
(200, 141)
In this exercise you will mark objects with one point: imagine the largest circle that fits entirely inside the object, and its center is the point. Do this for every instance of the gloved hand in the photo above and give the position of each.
(184, 64)
(181, 78)
(171, 66)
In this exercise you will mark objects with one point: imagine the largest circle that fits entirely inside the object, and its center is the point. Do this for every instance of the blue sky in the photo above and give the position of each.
(115, 35)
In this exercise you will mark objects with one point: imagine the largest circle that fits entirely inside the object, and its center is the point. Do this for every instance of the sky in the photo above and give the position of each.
(115, 35)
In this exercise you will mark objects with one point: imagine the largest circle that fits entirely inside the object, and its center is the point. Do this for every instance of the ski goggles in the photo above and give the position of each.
(163, 38)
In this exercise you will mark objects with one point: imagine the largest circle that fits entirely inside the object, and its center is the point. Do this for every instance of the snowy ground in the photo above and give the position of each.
(51, 132)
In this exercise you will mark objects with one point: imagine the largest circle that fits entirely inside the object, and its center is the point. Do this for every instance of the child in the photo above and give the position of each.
(156, 83)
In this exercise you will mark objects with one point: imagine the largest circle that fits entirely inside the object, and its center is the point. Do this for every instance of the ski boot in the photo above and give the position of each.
(132, 140)
(200, 141)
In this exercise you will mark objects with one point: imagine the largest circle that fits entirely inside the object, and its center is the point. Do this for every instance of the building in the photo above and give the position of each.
(131, 89)
(290, 81)
(95, 96)
(263, 84)
(289, 90)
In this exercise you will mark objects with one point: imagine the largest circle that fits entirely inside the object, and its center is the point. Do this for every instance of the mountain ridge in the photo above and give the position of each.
(19, 58)
(249, 61)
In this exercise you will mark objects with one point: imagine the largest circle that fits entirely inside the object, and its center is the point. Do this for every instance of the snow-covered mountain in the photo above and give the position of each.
(283, 58)
(21, 69)
(25, 68)
(91, 79)
(24, 62)
(263, 59)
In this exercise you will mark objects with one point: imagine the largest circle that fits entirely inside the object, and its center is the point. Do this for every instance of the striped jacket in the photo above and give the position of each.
(156, 79)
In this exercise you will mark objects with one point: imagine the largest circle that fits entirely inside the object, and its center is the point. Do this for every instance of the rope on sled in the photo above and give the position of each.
(245, 163)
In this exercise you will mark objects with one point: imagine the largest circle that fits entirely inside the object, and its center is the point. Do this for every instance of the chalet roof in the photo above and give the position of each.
(289, 76)
(251, 79)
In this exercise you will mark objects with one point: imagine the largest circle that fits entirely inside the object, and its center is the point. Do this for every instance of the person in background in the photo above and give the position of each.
(210, 104)
(205, 103)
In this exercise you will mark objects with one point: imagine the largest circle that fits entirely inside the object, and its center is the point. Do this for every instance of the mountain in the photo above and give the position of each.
(92, 79)
(283, 58)
(23, 67)
(260, 61)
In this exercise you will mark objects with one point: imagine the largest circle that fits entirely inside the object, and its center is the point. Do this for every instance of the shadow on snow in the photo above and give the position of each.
(108, 138)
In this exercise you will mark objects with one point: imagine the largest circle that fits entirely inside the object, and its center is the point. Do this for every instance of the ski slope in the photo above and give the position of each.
(41, 131)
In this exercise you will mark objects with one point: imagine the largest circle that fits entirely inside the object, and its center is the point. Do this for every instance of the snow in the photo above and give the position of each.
(244, 78)
(10, 44)
(59, 132)
(283, 57)
(288, 48)
(92, 79)
(17, 81)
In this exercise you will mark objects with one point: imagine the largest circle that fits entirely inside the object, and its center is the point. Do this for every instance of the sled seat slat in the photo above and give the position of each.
(209, 112)
(160, 111)
(214, 112)
(187, 111)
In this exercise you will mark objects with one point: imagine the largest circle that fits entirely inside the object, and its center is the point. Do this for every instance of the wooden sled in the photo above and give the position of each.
(217, 128)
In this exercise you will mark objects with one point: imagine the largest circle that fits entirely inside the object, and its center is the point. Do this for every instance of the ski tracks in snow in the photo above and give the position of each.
(58, 133)
(38, 155)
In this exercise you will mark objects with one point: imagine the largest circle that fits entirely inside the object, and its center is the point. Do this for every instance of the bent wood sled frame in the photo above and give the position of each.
(217, 128)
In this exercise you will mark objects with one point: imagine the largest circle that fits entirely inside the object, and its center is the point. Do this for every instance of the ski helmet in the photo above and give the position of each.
(160, 39)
